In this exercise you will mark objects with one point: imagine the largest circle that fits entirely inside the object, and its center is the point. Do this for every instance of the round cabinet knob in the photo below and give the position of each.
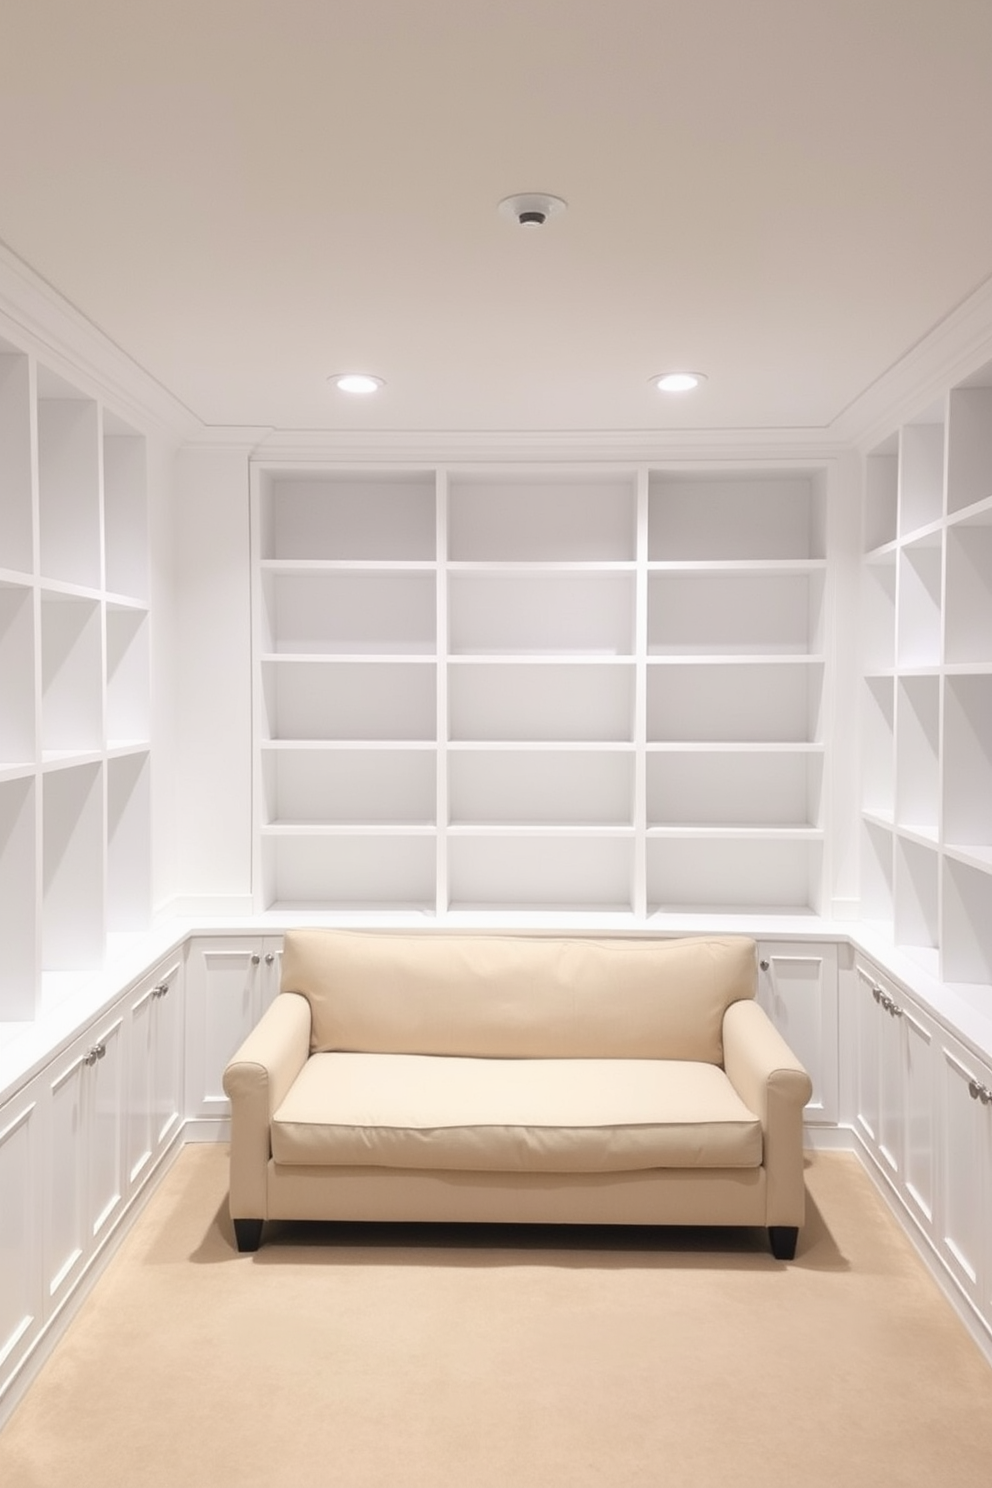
(161, 990)
(764, 965)
(255, 958)
(269, 958)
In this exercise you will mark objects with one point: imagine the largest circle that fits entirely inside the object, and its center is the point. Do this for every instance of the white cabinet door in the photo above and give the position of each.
(965, 1104)
(797, 987)
(230, 981)
(85, 1171)
(894, 1088)
(155, 1094)
(21, 1208)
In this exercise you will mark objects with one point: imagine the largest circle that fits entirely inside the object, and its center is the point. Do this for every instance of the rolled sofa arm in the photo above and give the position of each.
(256, 1081)
(773, 1084)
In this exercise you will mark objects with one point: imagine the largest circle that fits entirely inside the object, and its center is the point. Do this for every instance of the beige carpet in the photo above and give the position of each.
(477, 1359)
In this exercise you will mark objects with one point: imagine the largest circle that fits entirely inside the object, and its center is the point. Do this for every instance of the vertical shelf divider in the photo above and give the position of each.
(640, 734)
(441, 666)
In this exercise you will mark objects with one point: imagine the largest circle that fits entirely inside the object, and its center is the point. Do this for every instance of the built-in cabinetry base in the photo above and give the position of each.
(86, 1135)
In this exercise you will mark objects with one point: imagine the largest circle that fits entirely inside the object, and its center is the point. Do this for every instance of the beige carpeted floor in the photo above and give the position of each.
(454, 1359)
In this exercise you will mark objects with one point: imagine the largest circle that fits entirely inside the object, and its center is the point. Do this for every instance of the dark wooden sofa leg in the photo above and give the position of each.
(782, 1239)
(248, 1233)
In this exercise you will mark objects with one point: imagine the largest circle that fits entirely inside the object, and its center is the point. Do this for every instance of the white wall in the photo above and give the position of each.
(212, 636)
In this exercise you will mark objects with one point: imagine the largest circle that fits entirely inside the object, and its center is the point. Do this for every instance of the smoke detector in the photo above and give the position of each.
(531, 208)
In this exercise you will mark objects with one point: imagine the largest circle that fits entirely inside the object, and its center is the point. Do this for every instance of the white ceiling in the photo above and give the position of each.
(248, 195)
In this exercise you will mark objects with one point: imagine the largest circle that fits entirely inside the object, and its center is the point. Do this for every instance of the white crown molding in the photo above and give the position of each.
(955, 348)
(48, 325)
(715, 446)
(228, 439)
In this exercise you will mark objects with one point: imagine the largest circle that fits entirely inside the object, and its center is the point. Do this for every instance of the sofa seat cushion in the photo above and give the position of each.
(513, 1115)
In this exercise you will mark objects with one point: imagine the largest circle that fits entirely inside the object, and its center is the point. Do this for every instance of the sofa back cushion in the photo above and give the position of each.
(518, 997)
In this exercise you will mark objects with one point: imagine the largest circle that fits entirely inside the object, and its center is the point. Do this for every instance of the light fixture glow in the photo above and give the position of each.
(356, 382)
(678, 382)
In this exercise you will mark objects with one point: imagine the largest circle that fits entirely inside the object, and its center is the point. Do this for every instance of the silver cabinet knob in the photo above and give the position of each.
(269, 958)
(162, 990)
(764, 965)
(980, 1092)
(255, 958)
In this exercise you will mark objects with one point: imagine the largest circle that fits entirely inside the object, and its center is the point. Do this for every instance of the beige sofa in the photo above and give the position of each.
(438, 1076)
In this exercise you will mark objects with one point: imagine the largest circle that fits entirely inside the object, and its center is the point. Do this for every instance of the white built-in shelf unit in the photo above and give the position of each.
(74, 682)
(927, 690)
(506, 690)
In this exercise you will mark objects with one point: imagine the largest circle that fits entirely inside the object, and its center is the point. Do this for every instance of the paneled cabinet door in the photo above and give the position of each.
(965, 1231)
(894, 1089)
(155, 1096)
(85, 1170)
(797, 987)
(230, 981)
(21, 1290)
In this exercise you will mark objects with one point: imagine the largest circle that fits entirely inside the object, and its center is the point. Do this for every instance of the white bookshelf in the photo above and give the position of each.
(346, 711)
(505, 689)
(736, 616)
(926, 726)
(68, 483)
(75, 799)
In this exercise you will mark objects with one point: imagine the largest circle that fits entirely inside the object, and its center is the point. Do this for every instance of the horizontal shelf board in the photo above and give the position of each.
(16, 770)
(736, 658)
(687, 654)
(347, 565)
(536, 654)
(13, 578)
(927, 958)
(883, 555)
(56, 589)
(69, 759)
(759, 568)
(125, 748)
(979, 514)
(541, 746)
(724, 747)
(754, 833)
(539, 829)
(927, 669)
(923, 535)
(879, 674)
(357, 653)
(125, 602)
(544, 658)
(500, 568)
(348, 658)
(883, 819)
(347, 829)
(972, 856)
(912, 832)
(353, 746)
(968, 669)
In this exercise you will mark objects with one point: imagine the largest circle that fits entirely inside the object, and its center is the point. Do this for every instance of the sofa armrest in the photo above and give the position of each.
(256, 1081)
(773, 1084)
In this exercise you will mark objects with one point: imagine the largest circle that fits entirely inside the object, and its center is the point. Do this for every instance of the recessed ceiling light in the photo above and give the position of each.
(356, 382)
(678, 382)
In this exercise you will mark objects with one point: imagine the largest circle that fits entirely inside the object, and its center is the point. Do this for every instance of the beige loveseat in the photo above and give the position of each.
(438, 1076)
